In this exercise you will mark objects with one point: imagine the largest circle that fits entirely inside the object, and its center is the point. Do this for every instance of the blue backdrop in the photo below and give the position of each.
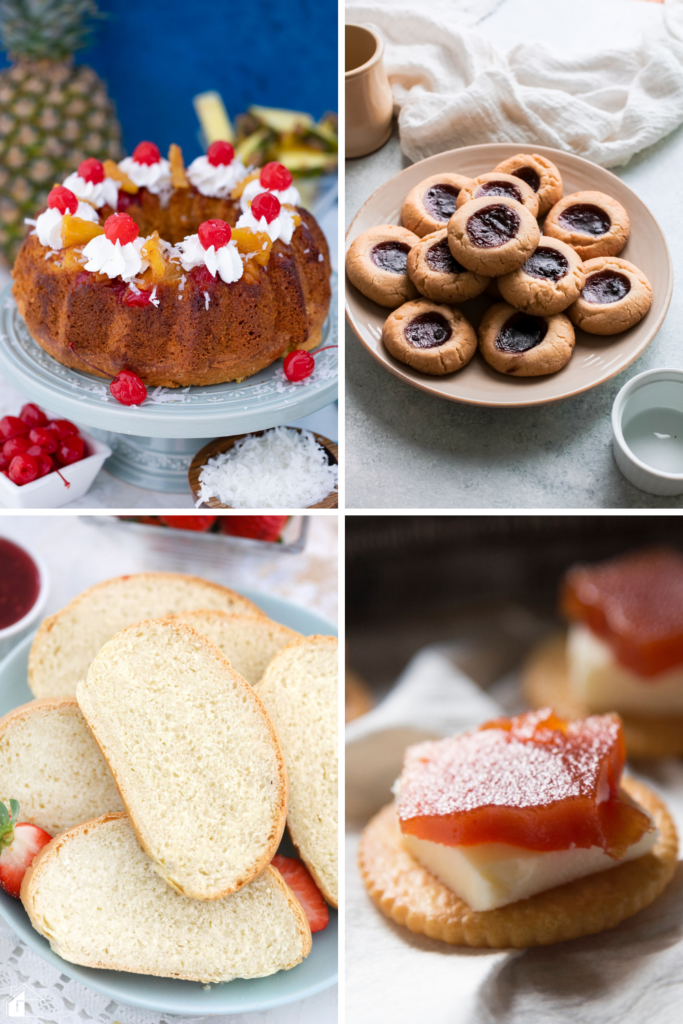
(155, 56)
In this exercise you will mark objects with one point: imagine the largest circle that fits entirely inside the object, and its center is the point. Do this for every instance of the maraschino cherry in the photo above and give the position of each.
(299, 364)
(146, 153)
(62, 199)
(12, 426)
(126, 387)
(265, 204)
(23, 469)
(220, 153)
(32, 415)
(275, 176)
(121, 227)
(214, 233)
(91, 170)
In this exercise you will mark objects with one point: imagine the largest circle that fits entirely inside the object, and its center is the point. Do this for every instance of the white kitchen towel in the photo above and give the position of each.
(629, 974)
(452, 87)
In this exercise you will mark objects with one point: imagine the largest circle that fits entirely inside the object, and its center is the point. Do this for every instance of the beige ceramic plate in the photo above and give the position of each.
(594, 360)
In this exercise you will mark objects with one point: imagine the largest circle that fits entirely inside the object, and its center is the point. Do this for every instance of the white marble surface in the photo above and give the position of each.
(78, 554)
(405, 449)
(108, 492)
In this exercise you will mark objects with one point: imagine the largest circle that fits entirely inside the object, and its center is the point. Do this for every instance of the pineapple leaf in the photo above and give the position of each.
(46, 29)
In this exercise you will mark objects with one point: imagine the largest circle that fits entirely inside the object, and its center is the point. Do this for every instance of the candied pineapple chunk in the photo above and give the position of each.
(256, 244)
(76, 231)
(175, 159)
(241, 185)
(152, 251)
(112, 170)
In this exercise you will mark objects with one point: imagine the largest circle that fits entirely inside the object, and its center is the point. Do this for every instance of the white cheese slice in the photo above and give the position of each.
(602, 684)
(494, 874)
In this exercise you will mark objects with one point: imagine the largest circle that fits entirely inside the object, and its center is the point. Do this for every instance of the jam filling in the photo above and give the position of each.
(390, 256)
(546, 263)
(440, 258)
(499, 188)
(530, 176)
(534, 781)
(493, 226)
(586, 219)
(521, 332)
(439, 201)
(19, 583)
(606, 286)
(635, 603)
(428, 330)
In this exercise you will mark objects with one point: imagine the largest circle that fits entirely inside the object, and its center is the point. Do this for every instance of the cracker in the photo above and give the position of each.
(545, 681)
(411, 896)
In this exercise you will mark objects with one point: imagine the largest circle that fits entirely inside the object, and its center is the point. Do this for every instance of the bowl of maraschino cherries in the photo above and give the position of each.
(44, 462)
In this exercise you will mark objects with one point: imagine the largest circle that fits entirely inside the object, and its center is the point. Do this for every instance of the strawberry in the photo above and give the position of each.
(255, 527)
(298, 878)
(200, 524)
(19, 843)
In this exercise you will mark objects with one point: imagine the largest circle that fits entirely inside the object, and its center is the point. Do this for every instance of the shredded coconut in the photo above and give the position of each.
(207, 300)
(52, 252)
(280, 469)
(153, 297)
(161, 395)
(181, 286)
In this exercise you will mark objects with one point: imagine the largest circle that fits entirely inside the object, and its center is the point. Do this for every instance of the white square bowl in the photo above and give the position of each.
(50, 491)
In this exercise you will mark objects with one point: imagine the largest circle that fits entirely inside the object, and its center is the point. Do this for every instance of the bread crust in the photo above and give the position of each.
(295, 833)
(48, 624)
(32, 877)
(280, 816)
(545, 681)
(408, 894)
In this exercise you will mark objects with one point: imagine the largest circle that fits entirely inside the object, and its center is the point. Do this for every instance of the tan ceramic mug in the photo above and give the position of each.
(369, 103)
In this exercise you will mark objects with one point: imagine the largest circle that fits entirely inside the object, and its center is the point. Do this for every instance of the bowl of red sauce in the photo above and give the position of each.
(23, 592)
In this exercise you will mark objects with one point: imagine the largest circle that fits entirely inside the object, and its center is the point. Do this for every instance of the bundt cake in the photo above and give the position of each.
(185, 276)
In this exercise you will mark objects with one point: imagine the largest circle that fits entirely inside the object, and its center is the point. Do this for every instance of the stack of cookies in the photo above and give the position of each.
(466, 237)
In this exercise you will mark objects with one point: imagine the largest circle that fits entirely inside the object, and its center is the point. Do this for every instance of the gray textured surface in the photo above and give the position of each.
(406, 449)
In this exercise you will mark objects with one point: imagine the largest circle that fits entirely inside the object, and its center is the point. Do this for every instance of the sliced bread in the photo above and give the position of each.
(193, 752)
(249, 642)
(67, 642)
(95, 895)
(51, 764)
(299, 689)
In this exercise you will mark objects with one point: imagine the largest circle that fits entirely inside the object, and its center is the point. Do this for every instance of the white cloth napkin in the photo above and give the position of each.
(630, 974)
(453, 88)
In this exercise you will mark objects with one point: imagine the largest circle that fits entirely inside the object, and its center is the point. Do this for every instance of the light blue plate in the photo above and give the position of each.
(168, 995)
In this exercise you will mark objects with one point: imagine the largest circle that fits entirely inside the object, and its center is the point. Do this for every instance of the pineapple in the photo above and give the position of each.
(53, 114)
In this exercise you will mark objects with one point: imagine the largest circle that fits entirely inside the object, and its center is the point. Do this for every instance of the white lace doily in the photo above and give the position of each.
(33, 990)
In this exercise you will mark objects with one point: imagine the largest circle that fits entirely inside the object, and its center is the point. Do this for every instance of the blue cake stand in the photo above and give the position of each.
(153, 444)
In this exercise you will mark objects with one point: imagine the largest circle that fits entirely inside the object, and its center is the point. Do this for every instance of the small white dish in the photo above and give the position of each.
(50, 491)
(647, 427)
(10, 636)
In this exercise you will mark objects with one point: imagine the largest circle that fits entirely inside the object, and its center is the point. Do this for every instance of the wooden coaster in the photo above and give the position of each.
(411, 896)
(545, 682)
(224, 444)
